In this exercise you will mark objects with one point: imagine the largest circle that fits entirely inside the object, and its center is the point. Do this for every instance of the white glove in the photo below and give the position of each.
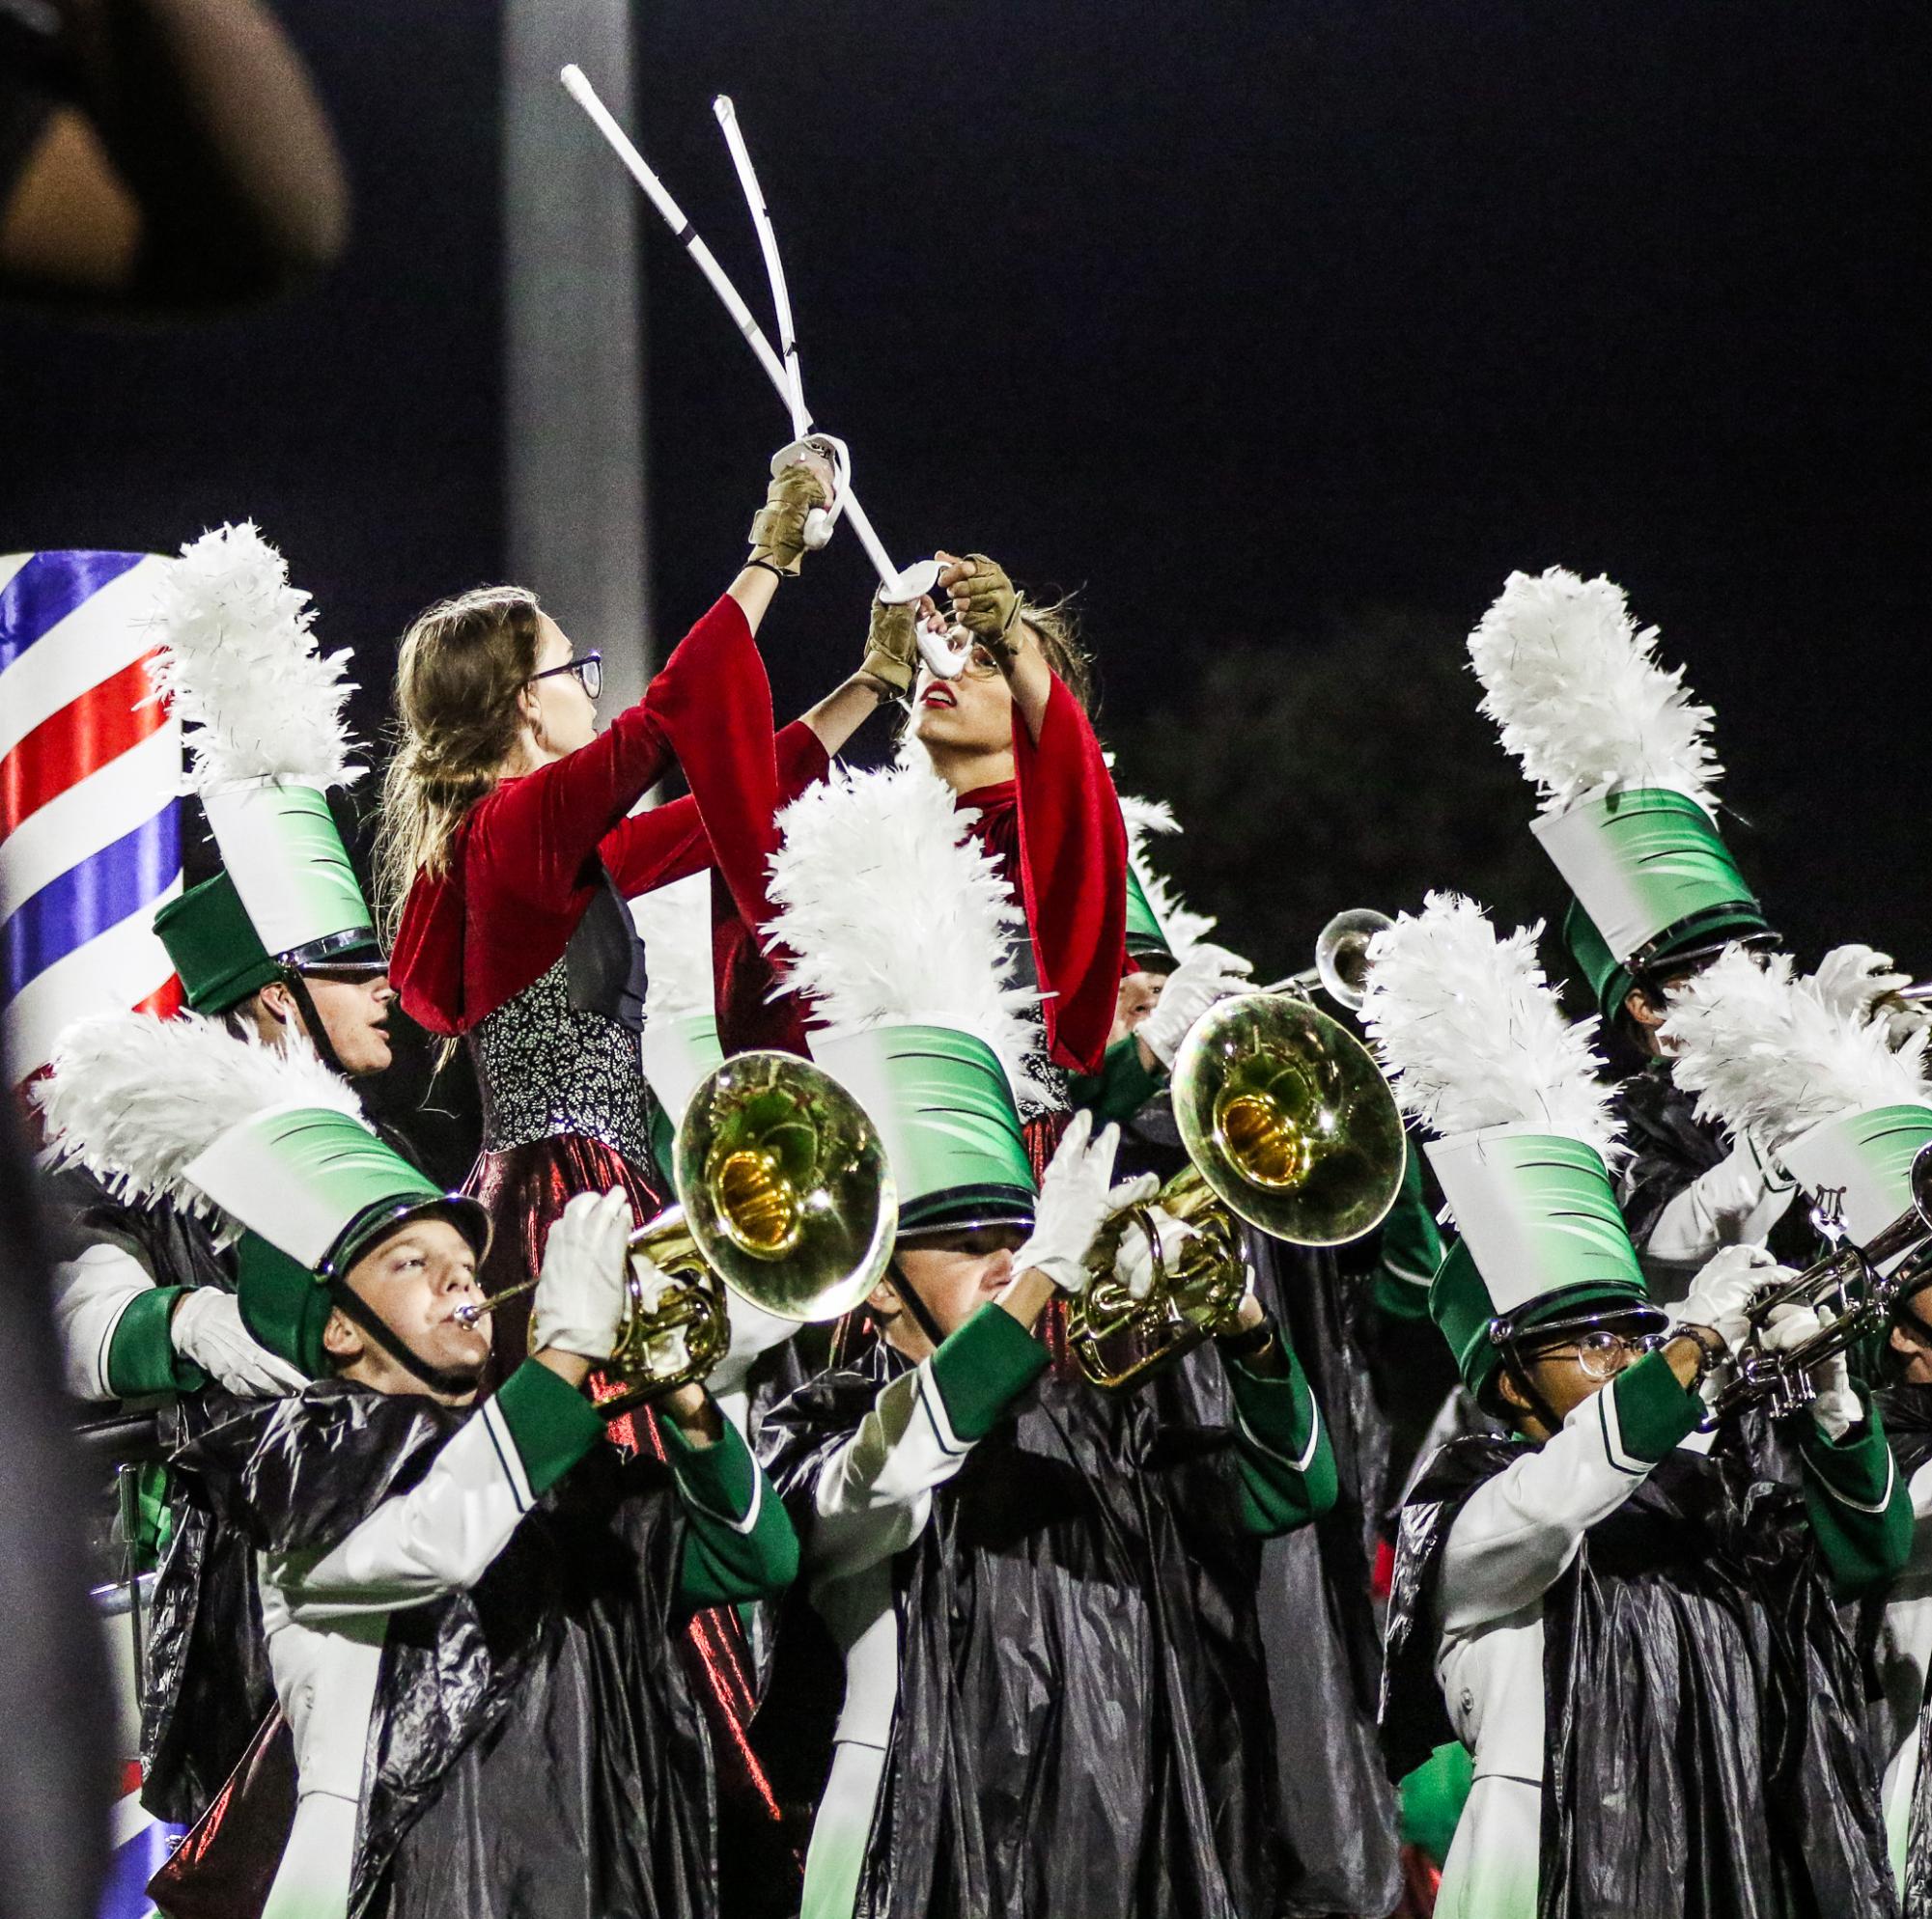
(669, 1352)
(1207, 974)
(1720, 1294)
(1836, 1407)
(1075, 1200)
(1739, 1199)
(580, 1292)
(1134, 1263)
(1851, 977)
(207, 1329)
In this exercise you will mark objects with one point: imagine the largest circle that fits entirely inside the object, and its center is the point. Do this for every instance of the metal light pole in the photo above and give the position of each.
(573, 389)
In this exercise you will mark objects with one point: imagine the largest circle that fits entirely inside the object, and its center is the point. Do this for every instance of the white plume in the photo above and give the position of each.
(1767, 1055)
(894, 911)
(134, 1098)
(1184, 928)
(1579, 694)
(1471, 1034)
(243, 670)
(675, 924)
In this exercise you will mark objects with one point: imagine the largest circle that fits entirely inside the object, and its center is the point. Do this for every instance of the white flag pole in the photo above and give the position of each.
(897, 586)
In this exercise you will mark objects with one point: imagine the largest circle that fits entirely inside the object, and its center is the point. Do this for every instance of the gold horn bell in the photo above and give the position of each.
(1288, 1124)
(786, 1198)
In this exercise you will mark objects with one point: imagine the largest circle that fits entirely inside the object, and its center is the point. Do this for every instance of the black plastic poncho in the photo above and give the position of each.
(536, 1752)
(206, 1683)
(1703, 1756)
(1906, 1412)
(1321, 1641)
(1082, 1718)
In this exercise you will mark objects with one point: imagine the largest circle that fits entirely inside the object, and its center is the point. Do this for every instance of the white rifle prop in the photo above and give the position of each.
(896, 586)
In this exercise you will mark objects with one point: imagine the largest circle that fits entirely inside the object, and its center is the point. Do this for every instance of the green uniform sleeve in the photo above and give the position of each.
(551, 1421)
(141, 1356)
(1120, 1088)
(1654, 1410)
(739, 1543)
(1287, 1469)
(1859, 1509)
(983, 1368)
(1411, 1247)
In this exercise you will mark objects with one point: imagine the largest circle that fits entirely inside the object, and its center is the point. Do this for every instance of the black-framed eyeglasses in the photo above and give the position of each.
(587, 668)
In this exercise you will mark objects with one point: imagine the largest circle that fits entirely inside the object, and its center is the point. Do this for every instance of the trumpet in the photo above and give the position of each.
(1857, 1285)
(785, 1197)
(1288, 1126)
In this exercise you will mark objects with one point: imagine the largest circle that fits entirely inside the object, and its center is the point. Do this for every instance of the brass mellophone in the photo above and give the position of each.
(1858, 1285)
(1288, 1124)
(786, 1198)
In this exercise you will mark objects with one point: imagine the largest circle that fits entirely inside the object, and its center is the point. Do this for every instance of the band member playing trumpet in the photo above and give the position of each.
(1831, 1091)
(1054, 1697)
(471, 1610)
(1622, 758)
(1614, 1612)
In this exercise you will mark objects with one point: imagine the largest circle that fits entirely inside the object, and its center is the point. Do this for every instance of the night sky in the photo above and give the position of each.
(1264, 325)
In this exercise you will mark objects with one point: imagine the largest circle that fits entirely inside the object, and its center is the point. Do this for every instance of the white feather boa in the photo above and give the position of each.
(134, 1098)
(1580, 696)
(241, 668)
(1767, 1055)
(1470, 1033)
(893, 911)
(1184, 928)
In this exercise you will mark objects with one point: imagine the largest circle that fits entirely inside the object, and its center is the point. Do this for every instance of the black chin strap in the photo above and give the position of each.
(1513, 1364)
(305, 1005)
(438, 1379)
(922, 1318)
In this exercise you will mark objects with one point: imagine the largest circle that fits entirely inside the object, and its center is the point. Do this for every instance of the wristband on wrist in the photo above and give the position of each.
(1711, 1349)
(777, 572)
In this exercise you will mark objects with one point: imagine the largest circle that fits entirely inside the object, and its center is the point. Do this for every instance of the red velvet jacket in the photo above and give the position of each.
(524, 864)
(1057, 831)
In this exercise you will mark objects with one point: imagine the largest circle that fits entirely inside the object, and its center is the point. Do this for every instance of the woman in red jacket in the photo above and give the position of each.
(507, 850)
(1012, 738)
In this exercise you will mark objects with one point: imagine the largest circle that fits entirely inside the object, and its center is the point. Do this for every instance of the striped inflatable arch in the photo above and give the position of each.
(90, 779)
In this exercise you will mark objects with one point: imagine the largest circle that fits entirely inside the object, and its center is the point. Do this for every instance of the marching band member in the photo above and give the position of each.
(1020, 1573)
(470, 1607)
(1321, 1640)
(278, 944)
(1621, 758)
(1812, 1073)
(1628, 1624)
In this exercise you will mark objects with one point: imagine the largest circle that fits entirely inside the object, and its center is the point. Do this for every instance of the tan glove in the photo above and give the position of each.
(986, 604)
(891, 645)
(779, 527)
